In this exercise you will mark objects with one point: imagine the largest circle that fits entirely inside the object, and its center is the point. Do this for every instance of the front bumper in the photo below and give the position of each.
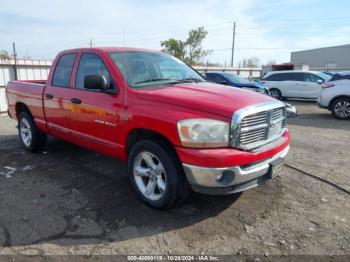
(228, 180)
(321, 103)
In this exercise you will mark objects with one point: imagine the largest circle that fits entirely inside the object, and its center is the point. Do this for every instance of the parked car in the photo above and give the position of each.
(175, 130)
(335, 95)
(231, 79)
(295, 84)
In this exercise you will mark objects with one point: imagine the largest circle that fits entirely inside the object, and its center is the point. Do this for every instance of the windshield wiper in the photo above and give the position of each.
(175, 81)
(155, 79)
(190, 80)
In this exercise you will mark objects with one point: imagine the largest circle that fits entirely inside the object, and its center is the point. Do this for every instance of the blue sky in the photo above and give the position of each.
(265, 29)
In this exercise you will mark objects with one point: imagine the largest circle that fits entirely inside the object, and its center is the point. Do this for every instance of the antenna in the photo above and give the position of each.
(15, 58)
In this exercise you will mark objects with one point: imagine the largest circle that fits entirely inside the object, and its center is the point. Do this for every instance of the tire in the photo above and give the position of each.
(157, 175)
(32, 139)
(341, 108)
(275, 93)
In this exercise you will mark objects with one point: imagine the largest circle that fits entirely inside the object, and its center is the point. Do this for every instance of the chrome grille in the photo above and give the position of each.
(258, 126)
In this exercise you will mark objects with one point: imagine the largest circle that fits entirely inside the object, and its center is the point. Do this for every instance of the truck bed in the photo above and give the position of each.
(29, 93)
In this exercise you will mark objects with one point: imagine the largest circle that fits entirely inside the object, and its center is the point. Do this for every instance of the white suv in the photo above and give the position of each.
(295, 84)
(335, 95)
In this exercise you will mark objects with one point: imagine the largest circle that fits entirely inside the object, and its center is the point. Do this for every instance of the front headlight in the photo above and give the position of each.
(203, 133)
(258, 90)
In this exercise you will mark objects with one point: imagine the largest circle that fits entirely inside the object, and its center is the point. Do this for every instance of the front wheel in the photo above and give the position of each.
(156, 175)
(32, 139)
(341, 108)
(275, 93)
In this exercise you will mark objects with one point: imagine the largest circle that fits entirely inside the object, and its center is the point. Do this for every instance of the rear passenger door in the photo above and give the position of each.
(295, 83)
(56, 97)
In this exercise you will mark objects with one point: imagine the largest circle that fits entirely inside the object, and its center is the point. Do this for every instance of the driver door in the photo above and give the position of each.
(95, 112)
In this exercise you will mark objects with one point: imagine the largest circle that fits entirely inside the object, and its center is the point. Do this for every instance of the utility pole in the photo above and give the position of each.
(90, 42)
(15, 58)
(233, 42)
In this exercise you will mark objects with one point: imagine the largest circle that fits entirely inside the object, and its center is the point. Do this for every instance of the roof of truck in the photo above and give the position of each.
(112, 49)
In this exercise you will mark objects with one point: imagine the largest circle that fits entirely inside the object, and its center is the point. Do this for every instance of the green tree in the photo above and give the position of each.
(4, 54)
(189, 51)
(175, 48)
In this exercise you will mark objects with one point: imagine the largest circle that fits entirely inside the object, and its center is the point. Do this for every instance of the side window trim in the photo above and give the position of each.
(71, 72)
(114, 87)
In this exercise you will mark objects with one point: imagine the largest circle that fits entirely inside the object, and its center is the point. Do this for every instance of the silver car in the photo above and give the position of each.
(335, 95)
(295, 84)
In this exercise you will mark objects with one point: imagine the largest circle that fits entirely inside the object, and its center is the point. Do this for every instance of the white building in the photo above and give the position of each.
(335, 58)
(26, 69)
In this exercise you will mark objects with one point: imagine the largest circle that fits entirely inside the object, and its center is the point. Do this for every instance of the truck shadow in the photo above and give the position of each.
(70, 194)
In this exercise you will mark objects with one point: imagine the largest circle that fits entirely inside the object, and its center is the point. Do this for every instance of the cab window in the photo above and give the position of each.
(63, 71)
(91, 64)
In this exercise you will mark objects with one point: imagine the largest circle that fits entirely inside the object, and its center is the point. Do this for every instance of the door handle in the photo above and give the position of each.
(49, 96)
(75, 101)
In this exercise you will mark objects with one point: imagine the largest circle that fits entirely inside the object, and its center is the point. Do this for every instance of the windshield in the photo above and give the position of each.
(235, 78)
(324, 76)
(142, 69)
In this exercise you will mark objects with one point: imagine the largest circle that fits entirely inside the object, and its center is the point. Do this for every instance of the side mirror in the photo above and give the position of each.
(223, 82)
(96, 82)
(319, 81)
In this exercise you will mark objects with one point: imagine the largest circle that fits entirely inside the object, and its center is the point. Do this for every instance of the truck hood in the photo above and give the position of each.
(213, 98)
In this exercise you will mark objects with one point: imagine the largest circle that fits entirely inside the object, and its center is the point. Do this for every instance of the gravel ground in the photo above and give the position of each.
(68, 200)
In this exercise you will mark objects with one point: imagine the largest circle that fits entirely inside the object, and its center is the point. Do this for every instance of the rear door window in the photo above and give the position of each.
(63, 71)
(296, 77)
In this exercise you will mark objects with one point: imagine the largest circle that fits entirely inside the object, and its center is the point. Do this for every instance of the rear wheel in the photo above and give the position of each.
(156, 175)
(275, 93)
(32, 139)
(341, 108)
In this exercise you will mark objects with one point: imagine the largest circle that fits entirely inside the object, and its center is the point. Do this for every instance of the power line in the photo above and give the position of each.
(274, 48)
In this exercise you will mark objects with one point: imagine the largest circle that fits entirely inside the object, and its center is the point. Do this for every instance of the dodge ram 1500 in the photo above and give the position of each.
(175, 130)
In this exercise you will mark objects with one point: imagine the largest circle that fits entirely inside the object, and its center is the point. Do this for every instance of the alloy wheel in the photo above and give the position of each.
(275, 94)
(342, 109)
(149, 175)
(25, 131)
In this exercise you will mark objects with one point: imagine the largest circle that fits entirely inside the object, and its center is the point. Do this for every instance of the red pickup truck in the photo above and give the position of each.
(175, 130)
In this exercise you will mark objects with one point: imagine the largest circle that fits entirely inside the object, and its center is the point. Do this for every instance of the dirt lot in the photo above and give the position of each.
(68, 200)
